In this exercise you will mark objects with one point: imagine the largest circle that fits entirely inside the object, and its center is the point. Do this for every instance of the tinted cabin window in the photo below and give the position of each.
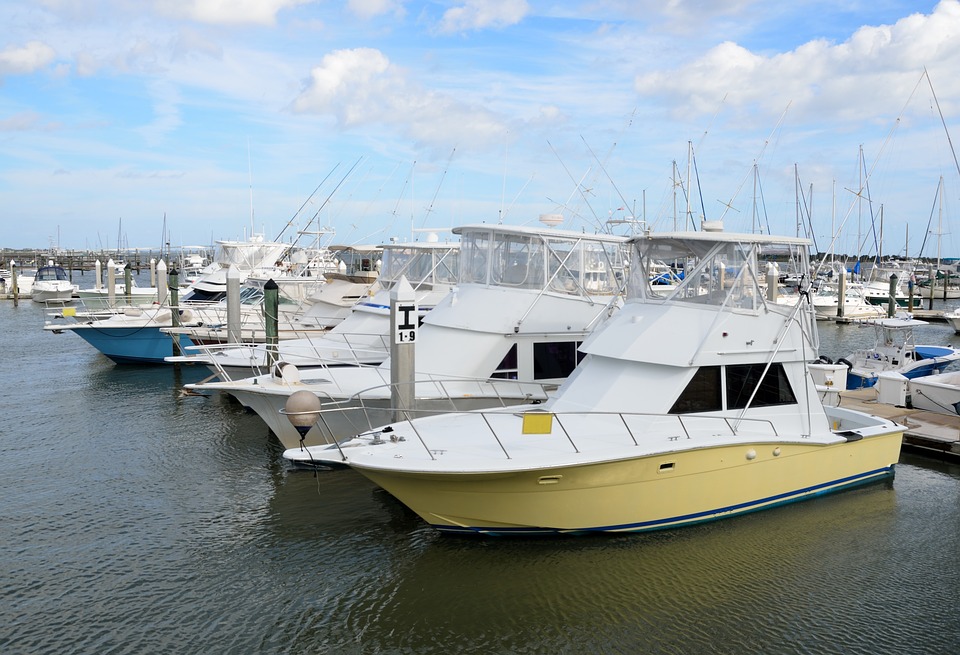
(774, 388)
(555, 360)
(702, 393)
(507, 370)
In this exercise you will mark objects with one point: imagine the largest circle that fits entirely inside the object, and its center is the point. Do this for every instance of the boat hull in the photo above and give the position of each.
(861, 380)
(347, 417)
(51, 294)
(641, 494)
(936, 393)
(132, 345)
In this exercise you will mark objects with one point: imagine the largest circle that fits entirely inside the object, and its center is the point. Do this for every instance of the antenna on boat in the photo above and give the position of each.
(939, 111)
(603, 168)
(250, 184)
(309, 198)
(579, 186)
(437, 192)
(763, 148)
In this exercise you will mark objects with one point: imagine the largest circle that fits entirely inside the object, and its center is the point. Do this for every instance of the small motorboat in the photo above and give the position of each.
(51, 284)
(895, 350)
(938, 392)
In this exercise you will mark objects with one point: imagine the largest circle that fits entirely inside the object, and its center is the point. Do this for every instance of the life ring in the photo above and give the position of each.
(845, 361)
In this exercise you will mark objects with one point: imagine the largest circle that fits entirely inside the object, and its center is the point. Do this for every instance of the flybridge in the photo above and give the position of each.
(554, 261)
(718, 268)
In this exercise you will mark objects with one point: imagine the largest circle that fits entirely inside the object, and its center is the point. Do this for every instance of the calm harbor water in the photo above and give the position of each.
(137, 520)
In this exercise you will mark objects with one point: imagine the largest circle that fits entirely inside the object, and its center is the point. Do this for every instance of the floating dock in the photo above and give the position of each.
(930, 433)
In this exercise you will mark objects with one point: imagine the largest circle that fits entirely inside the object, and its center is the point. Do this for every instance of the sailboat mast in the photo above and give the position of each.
(689, 217)
(674, 176)
(940, 222)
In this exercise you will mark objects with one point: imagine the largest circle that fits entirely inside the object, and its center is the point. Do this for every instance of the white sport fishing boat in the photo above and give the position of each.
(526, 298)
(688, 407)
(430, 267)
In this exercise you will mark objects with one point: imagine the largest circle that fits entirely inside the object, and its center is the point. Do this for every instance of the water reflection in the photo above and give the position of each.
(139, 520)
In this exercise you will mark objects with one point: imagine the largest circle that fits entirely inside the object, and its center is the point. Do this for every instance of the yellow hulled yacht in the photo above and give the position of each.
(691, 404)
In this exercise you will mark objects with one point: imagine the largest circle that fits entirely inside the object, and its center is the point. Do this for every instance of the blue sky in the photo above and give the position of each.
(217, 118)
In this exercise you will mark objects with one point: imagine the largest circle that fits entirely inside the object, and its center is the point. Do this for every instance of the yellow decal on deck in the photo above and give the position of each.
(537, 423)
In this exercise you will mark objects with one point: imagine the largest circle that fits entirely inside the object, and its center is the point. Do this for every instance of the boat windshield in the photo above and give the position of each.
(51, 273)
(720, 270)
(574, 264)
(248, 255)
(421, 266)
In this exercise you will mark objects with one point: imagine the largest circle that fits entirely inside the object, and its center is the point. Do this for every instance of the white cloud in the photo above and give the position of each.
(361, 87)
(192, 42)
(25, 59)
(852, 78)
(367, 9)
(227, 12)
(18, 122)
(480, 14)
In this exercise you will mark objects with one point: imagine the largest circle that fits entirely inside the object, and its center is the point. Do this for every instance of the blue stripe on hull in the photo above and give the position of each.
(699, 517)
(855, 381)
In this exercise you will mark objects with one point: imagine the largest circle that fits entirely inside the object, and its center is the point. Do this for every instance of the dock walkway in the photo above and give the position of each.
(927, 432)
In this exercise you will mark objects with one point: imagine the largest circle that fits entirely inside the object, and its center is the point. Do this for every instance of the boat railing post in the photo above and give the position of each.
(629, 431)
(556, 418)
(493, 432)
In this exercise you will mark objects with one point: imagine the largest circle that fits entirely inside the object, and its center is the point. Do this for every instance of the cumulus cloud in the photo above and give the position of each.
(875, 63)
(480, 14)
(20, 60)
(230, 12)
(361, 87)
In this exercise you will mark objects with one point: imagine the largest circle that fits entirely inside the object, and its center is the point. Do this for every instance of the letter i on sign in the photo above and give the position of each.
(406, 331)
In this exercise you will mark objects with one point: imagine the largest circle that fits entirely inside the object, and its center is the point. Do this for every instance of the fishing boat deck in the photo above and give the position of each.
(927, 432)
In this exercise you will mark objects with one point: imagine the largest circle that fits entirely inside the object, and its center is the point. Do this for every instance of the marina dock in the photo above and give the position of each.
(929, 433)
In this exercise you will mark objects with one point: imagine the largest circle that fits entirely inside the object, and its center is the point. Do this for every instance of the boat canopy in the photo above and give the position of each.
(713, 268)
(557, 261)
(50, 273)
(423, 264)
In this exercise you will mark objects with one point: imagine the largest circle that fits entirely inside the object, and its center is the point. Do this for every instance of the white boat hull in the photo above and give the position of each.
(44, 293)
(348, 417)
(936, 393)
